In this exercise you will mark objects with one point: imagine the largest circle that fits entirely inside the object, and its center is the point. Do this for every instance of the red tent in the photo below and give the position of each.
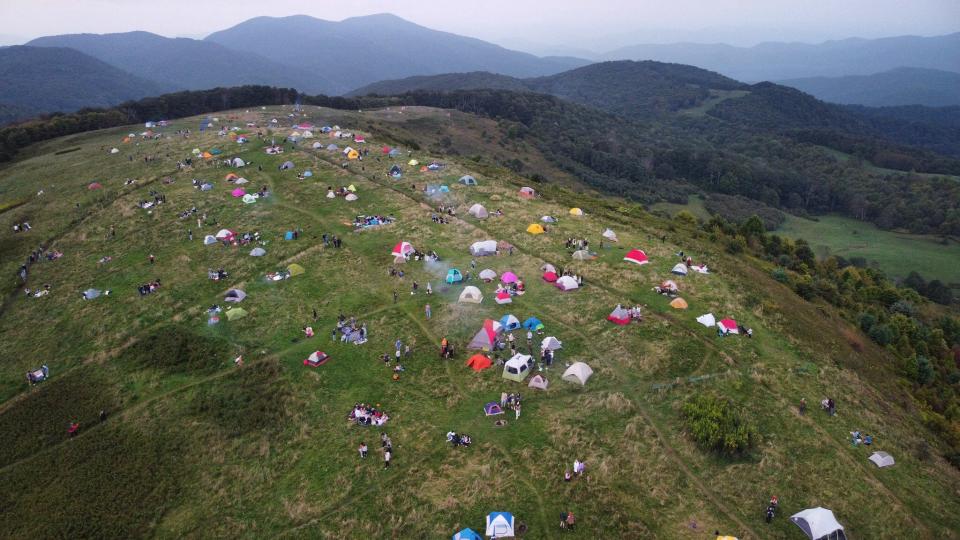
(619, 316)
(550, 277)
(385, 149)
(316, 358)
(503, 297)
(636, 256)
(94, 185)
(479, 362)
(729, 325)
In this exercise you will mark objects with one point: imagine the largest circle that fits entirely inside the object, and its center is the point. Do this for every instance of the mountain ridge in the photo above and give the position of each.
(895, 87)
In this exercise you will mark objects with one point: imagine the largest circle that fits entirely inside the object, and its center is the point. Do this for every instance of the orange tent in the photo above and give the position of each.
(230, 176)
(207, 155)
(479, 362)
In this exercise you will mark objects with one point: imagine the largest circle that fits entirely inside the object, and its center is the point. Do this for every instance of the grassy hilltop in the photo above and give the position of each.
(195, 446)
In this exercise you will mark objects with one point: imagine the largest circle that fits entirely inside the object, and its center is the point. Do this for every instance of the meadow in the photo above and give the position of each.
(195, 446)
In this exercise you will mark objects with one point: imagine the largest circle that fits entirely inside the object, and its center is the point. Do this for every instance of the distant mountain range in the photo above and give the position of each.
(40, 79)
(781, 61)
(901, 86)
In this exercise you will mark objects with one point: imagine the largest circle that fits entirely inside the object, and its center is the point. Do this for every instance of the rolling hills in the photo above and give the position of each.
(193, 444)
(901, 86)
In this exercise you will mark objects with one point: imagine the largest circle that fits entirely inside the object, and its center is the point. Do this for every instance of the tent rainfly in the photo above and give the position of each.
(679, 269)
(479, 362)
(487, 275)
(479, 212)
(610, 235)
(619, 316)
(729, 325)
(636, 256)
(538, 381)
(578, 372)
(484, 338)
(567, 283)
(819, 524)
(471, 295)
(679, 303)
(500, 525)
(503, 297)
(707, 320)
(881, 459)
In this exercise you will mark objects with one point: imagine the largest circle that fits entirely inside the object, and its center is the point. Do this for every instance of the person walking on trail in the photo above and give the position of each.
(398, 345)
(429, 288)
(386, 458)
(516, 409)
(426, 311)
(363, 450)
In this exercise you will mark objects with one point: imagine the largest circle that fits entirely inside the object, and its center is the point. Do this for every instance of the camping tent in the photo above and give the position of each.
(467, 534)
(578, 372)
(535, 228)
(206, 186)
(235, 295)
(533, 323)
(295, 269)
(548, 219)
(94, 185)
(258, 252)
(819, 523)
(508, 277)
(331, 195)
(492, 409)
(551, 343)
(680, 269)
(316, 358)
(114, 150)
(510, 323)
(240, 181)
(230, 176)
(527, 192)
(353, 154)
(881, 459)
(549, 268)
(225, 234)
(707, 320)
(402, 249)
(518, 367)
(610, 235)
(500, 525)
(550, 277)
(239, 192)
(209, 239)
(583, 255)
(237, 162)
(729, 325)
(332, 147)
(669, 285)
(307, 174)
(236, 313)
(468, 180)
(471, 295)
(317, 145)
(567, 283)
(486, 336)
(413, 163)
(454, 276)
(679, 303)
(503, 297)
(483, 248)
(538, 381)
(636, 256)
(576, 212)
(487, 274)
(249, 199)
(479, 212)
(351, 197)
(619, 316)
(286, 165)
(479, 362)
(90, 294)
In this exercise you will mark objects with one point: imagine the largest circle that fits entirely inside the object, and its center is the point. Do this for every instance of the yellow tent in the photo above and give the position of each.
(352, 188)
(726, 538)
(576, 212)
(679, 303)
(535, 228)
(353, 154)
(413, 163)
(295, 269)
(235, 313)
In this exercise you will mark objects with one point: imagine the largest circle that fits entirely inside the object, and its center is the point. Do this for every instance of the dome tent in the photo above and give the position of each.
(636, 256)
(819, 524)
(619, 316)
(881, 459)
(500, 525)
(578, 372)
(258, 252)
(468, 180)
(538, 381)
(610, 235)
(471, 295)
(535, 228)
(510, 323)
(567, 283)
(486, 336)
(487, 274)
(576, 212)
(479, 362)
(479, 212)
(679, 269)
(503, 297)
(235, 295)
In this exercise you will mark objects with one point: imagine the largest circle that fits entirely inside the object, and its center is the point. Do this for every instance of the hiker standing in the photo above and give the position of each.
(394, 297)
(426, 311)
(363, 450)
(152, 258)
(516, 409)
(386, 458)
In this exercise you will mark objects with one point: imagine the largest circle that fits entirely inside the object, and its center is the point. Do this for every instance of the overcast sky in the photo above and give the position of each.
(540, 26)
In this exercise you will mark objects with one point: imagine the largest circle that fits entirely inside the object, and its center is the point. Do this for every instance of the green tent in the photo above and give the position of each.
(236, 313)
(295, 269)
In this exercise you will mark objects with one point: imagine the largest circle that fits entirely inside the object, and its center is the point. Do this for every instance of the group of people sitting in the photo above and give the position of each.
(37, 293)
(21, 227)
(148, 288)
(666, 290)
(634, 312)
(158, 198)
(439, 218)
(458, 439)
(429, 256)
(187, 213)
(350, 331)
(367, 415)
(516, 288)
(577, 244)
(341, 191)
(363, 222)
(857, 438)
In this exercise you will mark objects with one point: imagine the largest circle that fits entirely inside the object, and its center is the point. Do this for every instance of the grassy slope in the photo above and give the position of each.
(274, 456)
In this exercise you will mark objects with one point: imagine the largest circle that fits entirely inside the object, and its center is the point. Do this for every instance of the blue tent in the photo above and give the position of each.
(533, 323)
(288, 235)
(509, 323)
(216, 151)
(307, 174)
(454, 276)
(394, 152)
(467, 534)
(444, 189)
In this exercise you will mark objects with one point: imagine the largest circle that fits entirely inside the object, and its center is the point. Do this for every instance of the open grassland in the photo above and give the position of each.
(196, 447)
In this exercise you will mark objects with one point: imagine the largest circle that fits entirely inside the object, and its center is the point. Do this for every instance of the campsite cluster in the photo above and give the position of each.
(507, 353)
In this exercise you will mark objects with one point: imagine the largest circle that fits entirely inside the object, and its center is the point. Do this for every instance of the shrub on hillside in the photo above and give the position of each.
(718, 426)
(177, 349)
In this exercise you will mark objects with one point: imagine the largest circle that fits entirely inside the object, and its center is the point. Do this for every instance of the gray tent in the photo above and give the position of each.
(881, 459)
(206, 187)
(286, 165)
(209, 240)
(235, 295)
(90, 294)
(258, 252)
(468, 180)
(332, 147)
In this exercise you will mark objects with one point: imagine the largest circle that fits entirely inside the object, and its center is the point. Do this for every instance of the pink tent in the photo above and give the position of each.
(550, 277)
(636, 256)
(729, 325)
(94, 185)
(503, 297)
(239, 192)
(508, 277)
(402, 249)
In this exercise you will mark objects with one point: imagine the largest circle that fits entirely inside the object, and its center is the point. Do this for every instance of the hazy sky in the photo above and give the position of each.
(537, 25)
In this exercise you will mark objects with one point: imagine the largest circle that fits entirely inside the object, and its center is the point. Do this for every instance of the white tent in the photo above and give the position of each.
(500, 525)
(479, 212)
(331, 195)
(582, 255)
(680, 269)
(548, 219)
(610, 235)
(235, 295)
(307, 134)
(224, 233)
(241, 181)
(567, 283)
(258, 252)
(488, 275)
(114, 151)
(237, 162)
(317, 145)
(549, 268)
(539, 381)
(518, 367)
(90, 294)
(351, 197)
(249, 198)
(707, 320)
(818, 523)
(578, 372)
(209, 239)
(483, 248)
(882, 459)
(551, 343)
(471, 295)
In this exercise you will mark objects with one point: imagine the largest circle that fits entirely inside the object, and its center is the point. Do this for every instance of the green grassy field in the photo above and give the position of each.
(898, 254)
(197, 447)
